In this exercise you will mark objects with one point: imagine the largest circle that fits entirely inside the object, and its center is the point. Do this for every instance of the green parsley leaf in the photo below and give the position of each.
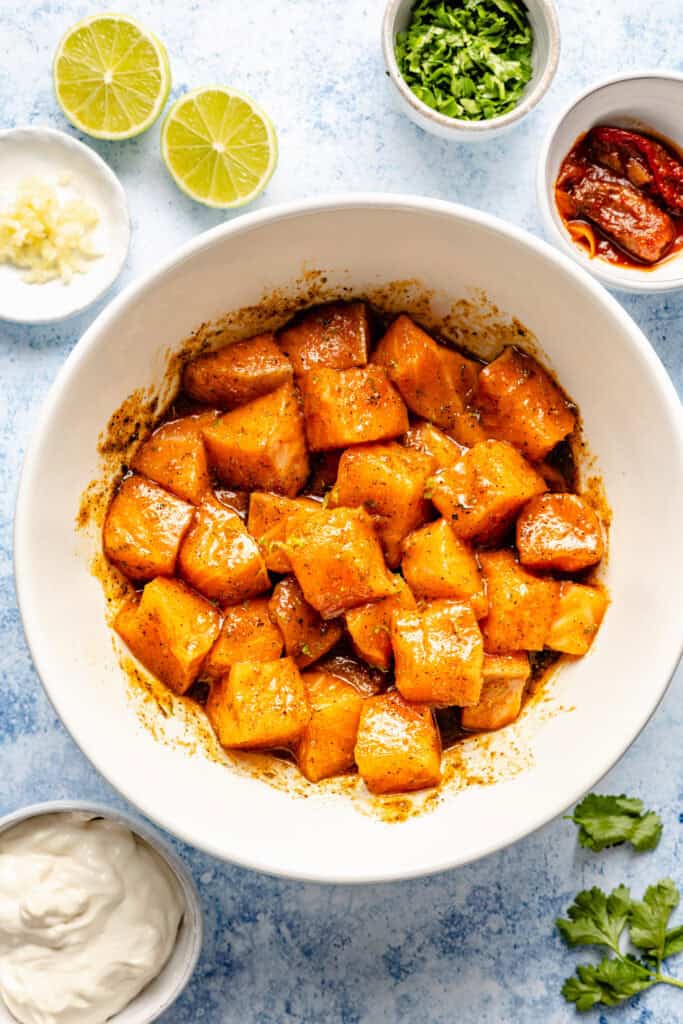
(609, 820)
(306, 649)
(596, 919)
(468, 59)
(609, 982)
(649, 918)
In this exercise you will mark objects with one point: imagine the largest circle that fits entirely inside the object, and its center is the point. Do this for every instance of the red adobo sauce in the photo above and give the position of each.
(620, 196)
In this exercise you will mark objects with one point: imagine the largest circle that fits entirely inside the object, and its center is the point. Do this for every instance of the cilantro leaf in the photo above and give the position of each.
(465, 59)
(610, 982)
(647, 832)
(596, 919)
(649, 918)
(609, 820)
(674, 942)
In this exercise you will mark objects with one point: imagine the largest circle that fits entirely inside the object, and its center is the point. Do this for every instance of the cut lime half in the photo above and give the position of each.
(219, 147)
(111, 76)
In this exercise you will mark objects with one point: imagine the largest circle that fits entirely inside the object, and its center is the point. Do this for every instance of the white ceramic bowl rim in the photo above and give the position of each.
(538, 89)
(102, 171)
(646, 356)
(618, 280)
(193, 918)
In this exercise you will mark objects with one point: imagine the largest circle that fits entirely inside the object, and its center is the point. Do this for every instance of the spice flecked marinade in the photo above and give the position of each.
(351, 490)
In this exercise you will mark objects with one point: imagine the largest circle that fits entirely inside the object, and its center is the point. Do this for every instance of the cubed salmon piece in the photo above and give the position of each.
(336, 335)
(338, 560)
(467, 429)
(559, 532)
(144, 529)
(505, 679)
(520, 403)
(175, 457)
(259, 705)
(307, 637)
(170, 631)
(345, 407)
(268, 515)
(219, 558)
(327, 743)
(437, 564)
(247, 634)
(522, 606)
(238, 372)
(439, 447)
(369, 626)
(389, 482)
(434, 381)
(579, 612)
(483, 491)
(439, 653)
(398, 748)
(262, 445)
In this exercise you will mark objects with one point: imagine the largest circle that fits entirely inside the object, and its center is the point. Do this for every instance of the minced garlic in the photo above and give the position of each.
(46, 236)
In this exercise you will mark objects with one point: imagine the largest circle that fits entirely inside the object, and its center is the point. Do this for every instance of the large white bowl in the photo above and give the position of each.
(633, 422)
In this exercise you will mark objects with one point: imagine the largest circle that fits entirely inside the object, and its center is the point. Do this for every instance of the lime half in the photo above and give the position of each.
(111, 76)
(219, 147)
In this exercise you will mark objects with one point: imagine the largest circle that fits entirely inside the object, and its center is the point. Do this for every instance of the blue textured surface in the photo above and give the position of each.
(475, 945)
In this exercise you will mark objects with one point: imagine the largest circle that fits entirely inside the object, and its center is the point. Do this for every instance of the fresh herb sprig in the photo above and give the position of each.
(609, 820)
(598, 919)
(468, 59)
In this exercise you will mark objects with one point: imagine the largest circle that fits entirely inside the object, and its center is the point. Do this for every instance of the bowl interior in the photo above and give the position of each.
(359, 245)
(163, 990)
(650, 103)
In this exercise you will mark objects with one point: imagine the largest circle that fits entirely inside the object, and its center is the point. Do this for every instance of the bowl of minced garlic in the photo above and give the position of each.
(99, 920)
(64, 225)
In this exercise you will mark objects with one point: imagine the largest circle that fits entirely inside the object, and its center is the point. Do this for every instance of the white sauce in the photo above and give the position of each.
(89, 915)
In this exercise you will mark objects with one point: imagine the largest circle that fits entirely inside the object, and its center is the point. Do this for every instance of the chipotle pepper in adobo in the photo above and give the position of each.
(620, 195)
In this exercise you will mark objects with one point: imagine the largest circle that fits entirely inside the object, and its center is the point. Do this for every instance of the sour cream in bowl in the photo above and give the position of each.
(98, 919)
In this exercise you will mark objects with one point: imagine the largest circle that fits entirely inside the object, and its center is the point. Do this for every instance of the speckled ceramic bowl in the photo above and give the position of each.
(649, 101)
(546, 55)
(163, 991)
(359, 244)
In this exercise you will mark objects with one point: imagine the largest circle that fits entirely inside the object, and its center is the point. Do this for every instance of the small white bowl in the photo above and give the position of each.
(158, 996)
(50, 154)
(546, 54)
(650, 101)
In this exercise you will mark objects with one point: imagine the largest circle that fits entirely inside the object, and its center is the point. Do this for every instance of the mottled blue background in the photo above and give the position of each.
(476, 945)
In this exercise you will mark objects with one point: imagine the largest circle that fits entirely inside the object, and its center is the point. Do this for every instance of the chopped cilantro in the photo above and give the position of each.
(467, 59)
